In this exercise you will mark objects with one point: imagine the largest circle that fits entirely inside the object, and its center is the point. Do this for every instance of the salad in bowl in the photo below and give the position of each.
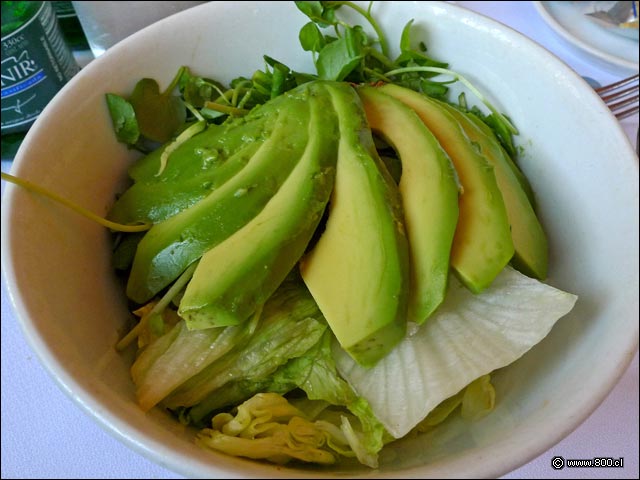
(323, 263)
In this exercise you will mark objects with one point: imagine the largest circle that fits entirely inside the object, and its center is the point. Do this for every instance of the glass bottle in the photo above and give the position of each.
(70, 26)
(36, 63)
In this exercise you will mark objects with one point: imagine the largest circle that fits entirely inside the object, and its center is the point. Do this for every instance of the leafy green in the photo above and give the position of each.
(198, 90)
(123, 118)
(189, 353)
(315, 373)
(285, 348)
(183, 368)
(347, 53)
(159, 115)
(268, 427)
(322, 13)
(500, 128)
(147, 113)
(311, 38)
(249, 380)
(338, 58)
(352, 56)
(361, 434)
(290, 325)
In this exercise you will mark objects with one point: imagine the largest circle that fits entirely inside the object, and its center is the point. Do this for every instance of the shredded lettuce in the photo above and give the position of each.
(347, 420)
(182, 367)
(246, 380)
(188, 353)
(316, 374)
(268, 427)
(277, 339)
(248, 369)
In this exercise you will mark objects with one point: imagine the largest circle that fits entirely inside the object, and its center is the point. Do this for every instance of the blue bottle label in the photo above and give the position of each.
(36, 63)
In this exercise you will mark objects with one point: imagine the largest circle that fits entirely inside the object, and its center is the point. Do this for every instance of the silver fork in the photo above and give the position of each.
(621, 97)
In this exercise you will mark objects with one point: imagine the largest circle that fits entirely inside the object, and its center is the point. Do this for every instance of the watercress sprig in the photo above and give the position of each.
(340, 52)
(352, 56)
(32, 187)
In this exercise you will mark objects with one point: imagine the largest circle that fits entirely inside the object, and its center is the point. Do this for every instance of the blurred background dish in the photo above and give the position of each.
(105, 23)
(587, 38)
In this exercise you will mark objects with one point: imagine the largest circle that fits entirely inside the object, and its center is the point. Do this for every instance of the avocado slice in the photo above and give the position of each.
(429, 191)
(213, 145)
(236, 277)
(358, 271)
(529, 239)
(482, 244)
(171, 245)
(196, 168)
(522, 179)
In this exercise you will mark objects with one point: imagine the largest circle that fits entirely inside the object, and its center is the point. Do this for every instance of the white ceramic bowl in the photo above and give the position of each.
(576, 156)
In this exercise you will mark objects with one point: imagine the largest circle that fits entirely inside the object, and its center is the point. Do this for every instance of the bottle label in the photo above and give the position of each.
(36, 63)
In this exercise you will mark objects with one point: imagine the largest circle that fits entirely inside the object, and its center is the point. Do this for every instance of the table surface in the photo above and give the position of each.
(46, 435)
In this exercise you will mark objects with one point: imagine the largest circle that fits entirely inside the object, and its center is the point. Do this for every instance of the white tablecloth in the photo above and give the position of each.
(45, 435)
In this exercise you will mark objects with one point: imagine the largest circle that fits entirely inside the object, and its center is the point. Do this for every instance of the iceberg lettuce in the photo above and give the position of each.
(467, 337)
(268, 427)
(331, 420)
(334, 407)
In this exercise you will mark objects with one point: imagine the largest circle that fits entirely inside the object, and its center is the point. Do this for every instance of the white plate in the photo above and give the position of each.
(588, 39)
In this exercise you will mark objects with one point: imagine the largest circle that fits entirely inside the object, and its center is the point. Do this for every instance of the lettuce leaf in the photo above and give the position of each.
(179, 355)
(475, 401)
(290, 324)
(335, 418)
(467, 337)
(316, 374)
(268, 427)
(182, 367)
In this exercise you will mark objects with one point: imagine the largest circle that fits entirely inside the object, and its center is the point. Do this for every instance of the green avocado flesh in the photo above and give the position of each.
(173, 244)
(358, 271)
(482, 243)
(522, 180)
(235, 277)
(529, 239)
(299, 182)
(429, 190)
(196, 168)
